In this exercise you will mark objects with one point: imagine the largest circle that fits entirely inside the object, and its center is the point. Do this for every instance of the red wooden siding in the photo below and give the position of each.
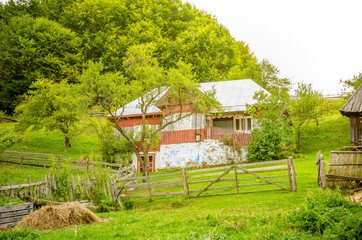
(130, 122)
(181, 136)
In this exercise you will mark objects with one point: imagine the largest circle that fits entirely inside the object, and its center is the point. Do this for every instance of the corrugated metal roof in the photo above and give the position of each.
(233, 96)
(354, 103)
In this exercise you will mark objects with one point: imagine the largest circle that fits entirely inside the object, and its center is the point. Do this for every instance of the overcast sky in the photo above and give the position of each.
(315, 41)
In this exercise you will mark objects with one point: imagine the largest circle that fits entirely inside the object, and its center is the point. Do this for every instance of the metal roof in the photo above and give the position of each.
(354, 103)
(232, 95)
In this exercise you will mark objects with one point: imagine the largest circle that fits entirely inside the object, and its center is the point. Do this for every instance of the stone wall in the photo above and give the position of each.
(209, 152)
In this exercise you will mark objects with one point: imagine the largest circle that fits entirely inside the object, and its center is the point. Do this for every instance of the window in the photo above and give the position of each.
(245, 124)
(151, 162)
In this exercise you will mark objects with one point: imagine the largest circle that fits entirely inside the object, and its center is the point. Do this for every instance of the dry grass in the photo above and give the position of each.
(59, 216)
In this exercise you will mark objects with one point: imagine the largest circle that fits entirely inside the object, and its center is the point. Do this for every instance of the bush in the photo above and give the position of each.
(17, 233)
(273, 140)
(329, 213)
(112, 146)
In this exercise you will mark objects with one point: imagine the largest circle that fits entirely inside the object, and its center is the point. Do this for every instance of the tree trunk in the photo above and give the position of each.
(67, 144)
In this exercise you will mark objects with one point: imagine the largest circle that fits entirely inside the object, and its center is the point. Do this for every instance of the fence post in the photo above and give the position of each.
(184, 181)
(58, 162)
(294, 179)
(322, 173)
(236, 179)
(22, 160)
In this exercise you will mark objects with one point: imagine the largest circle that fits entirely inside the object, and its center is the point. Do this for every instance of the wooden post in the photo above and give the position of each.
(289, 174)
(29, 180)
(80, 187)
(323, 172)
(58, 162)
(74, 189)
(22, 161)
(69, 191)
(318, 158)
(149, 187)
(294, 176)
(86, 169)
(184, 181)
(236, 179)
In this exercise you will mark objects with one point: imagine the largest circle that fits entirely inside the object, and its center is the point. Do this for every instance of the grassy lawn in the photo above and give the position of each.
(243, 216)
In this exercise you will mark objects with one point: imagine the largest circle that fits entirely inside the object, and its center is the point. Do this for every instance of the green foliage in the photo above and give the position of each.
(111, 146)
(273, 140)
(61, 176)
(7, 139)
(329, 213)
(308, 105)
(53, 106)
(127, 203)
(19, 233)
(352, 84)
(31, 49)
(5, 201)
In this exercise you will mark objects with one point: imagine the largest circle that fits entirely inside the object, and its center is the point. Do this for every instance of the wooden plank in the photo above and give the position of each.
(81, 193)
(22, 185)
(153, 176)
(15, 213)
(265, 179)
(236, 180)
(242, 165)
(154, 188)
(74, 189)
(343, 152)
(267, 169)
(216, 180)
(242, 192)
(155, 183)
(12, 219)
(18, 207)
(294, 175)
(318, 166)
(184, 183)
(233, 179)
(345, 177)
(344, 164)
(358, 173)
(323, 180)
(155, 195)
(30, 190)
(34, 154)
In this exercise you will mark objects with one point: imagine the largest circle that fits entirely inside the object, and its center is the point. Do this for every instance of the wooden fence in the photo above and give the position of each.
(344, 169)
(220, 180)
(241, 138)
(10, 215)
(46, 160)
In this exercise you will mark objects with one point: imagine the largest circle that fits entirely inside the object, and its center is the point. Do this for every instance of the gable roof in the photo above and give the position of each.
(232, 95)
(353, 104)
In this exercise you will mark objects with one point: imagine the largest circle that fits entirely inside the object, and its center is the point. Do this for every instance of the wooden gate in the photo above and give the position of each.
(236, 179)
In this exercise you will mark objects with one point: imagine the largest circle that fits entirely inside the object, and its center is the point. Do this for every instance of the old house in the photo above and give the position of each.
(353, 109)
(200, 139)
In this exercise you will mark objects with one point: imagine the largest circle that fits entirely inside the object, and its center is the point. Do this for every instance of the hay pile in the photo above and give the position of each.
(59, 216)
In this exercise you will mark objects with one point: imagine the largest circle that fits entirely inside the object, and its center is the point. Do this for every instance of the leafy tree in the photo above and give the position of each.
(31, 49)
(273, 139)
(53, 106)
(147, 82)
(352, 84)
(308, 105)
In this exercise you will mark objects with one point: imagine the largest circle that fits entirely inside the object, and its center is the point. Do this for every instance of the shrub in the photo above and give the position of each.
(17, 233)
(112, 146)
(273, 140)
(329, 213)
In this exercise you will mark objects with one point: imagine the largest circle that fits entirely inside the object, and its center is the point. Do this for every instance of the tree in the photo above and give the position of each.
(308, 105)
(273, 139)
(151, 85)
(352, 84)
(31, 49)
(53, 106)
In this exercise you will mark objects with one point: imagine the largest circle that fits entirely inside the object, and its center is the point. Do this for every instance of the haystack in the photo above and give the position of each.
(59, 216)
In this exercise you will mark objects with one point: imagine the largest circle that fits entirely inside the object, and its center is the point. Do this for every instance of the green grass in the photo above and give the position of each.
(243, 216)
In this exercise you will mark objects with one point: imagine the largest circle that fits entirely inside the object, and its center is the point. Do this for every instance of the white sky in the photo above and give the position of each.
(315, 41)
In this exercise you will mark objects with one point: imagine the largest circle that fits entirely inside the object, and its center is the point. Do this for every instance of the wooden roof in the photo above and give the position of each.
(353, 104)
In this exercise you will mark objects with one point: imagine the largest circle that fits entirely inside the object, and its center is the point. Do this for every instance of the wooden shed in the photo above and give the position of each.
(353, 109)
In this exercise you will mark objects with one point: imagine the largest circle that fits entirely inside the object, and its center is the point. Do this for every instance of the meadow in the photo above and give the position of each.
(242, 216)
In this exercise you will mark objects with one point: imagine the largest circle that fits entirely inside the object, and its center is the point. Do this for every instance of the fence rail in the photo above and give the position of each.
(344, 169)
(241, 138)
(195, 183)
(28, 159)
(10, 215)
